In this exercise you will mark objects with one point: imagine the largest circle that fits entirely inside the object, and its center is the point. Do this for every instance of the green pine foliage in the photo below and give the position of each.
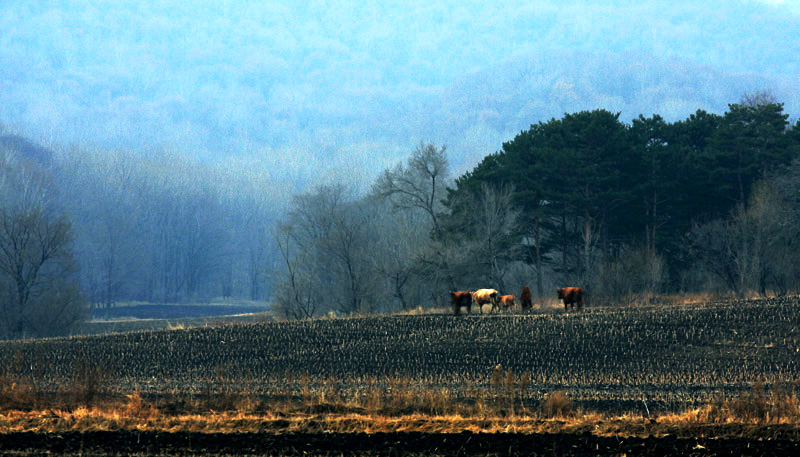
(590, 187)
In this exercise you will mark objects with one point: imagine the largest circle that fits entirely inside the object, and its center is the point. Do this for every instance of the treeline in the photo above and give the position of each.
(165, 229)
(707, 204)
(710, 203)
(82, 230)
(649, 206)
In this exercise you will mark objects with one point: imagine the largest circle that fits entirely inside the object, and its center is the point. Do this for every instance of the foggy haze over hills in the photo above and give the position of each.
(325, 91)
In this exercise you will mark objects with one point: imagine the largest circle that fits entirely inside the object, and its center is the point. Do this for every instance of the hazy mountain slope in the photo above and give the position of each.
(350, 87)
(488, 107)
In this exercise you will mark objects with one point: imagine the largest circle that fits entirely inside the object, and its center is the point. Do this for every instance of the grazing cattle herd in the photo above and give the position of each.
(466, 298)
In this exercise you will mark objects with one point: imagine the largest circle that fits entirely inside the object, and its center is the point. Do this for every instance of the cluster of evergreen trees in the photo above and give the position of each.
(591, 190)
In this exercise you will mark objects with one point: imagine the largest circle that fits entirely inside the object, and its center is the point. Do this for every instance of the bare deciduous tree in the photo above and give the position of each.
(752, 249)
(493, 225)
(629, 279)
(38, 296)
(325, 244)
(402, 238)
(295, 294)
(420, 185)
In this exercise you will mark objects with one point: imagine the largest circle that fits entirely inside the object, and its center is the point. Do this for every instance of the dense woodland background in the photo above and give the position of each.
(627, 210)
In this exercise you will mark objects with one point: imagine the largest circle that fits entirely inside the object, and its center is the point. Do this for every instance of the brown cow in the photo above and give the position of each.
(483, 296)
(461, 298)
(571, 296)
(525, 299)
(508, 302)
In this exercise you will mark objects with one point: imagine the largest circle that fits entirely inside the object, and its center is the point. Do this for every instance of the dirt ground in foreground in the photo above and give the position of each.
(381, 444)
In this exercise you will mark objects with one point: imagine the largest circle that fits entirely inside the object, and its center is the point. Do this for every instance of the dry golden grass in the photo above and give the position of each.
(112, 419)
(753, 413)
(756, 406)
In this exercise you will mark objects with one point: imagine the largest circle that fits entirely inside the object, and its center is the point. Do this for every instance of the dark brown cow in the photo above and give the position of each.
(508, 302)
(525, 299)
(571, 296)
(461, 298)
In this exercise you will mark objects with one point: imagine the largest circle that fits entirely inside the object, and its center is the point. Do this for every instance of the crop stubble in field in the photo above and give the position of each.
(606, 359)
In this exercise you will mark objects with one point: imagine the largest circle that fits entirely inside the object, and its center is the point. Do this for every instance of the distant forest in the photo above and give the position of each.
(629, 211)
(708, 203)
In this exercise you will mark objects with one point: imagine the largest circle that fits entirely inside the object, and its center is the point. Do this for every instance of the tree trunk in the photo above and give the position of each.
(563, 243)
(587, 242)
(539, 286)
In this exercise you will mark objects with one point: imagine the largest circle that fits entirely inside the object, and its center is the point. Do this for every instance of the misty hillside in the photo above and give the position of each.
(352, 87)
(25, 148)
(493, 105)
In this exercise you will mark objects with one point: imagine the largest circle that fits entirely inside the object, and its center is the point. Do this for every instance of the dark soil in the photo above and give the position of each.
(381, 444)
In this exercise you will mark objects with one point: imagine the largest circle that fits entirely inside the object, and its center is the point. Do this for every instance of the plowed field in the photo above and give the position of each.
(646, 361)
(382, 444)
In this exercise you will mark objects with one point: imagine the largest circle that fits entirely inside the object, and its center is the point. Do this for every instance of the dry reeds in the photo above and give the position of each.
(400, 407)
(557, 405)
(757, 405)
(16, 395)
(778, 405)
